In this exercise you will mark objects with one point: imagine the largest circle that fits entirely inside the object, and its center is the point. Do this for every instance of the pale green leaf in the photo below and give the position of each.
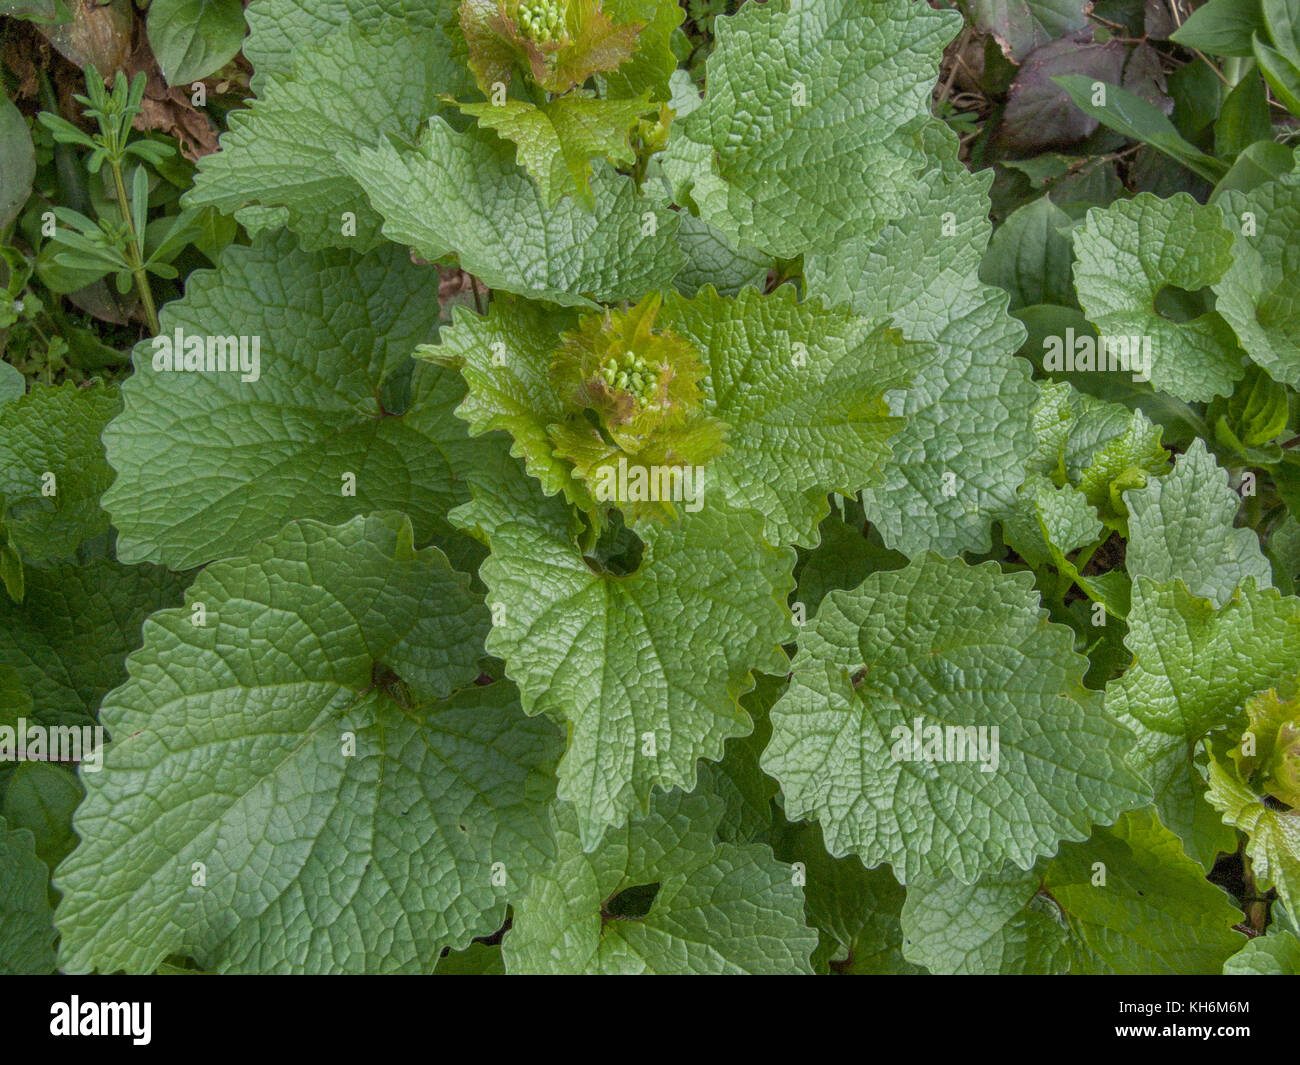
(1126, 254)
(308, 747)
(953, 649)
(339, 95)
(462, 193)
(795, 146)
(1181, 527)
(207, 463)
(646, 669)
(712, 907)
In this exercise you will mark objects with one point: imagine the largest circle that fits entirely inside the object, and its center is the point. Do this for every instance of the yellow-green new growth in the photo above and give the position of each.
(632, 374)
(542, 20)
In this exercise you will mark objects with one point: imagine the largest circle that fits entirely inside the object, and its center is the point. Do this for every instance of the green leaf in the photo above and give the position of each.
(1174, 765)
(41, 798)
(20, 162)
(1273, 835)
(461, 192)
(1031, 256)
(69, 640)
(278, 28)
(796, 145)
(1281, 72)
(1181, 527)
(52, 467)
(803, 389)
(1196, 664)
(1259, 294)
(659, 896)
(338, 96)
(12, 383)
(478, 959)
(855, 910)
(1129, 252)
(1221, 27)
(1282, 18)
(711, 259)
(843, 559)
(1155, 913)
(646, 669)
(1140, 120)
(26, 932)
(737, 780)
(207, 463)
(652, 65)
(1000, 925)
(941, 645)
(1244, 119)
(556, 142)
(960, 456)
(1050, 522)
(194, 38)
(1263, 161)
(314, 747)
(1276, 954)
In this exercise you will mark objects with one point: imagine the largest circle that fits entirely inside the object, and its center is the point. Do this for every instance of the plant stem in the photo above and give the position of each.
(134, 250)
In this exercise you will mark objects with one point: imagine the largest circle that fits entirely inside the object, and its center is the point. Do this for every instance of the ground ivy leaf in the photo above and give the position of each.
(278, 28)
(230, 749)
(462, 192)
(1154, 914)
(1196, 664)
(26, 930)
(712, 907)
(1272, 835)
(1000, 925)
(69, 639)
(794, 146)
(960, 455)
(959, 646)
(52, 467)
(803, 390)
(1259, 295)
(646, 669)
(1276, 954)
(340, 95)
(557, 141)
(1181, 527)
(1126, 254)
(208, 464)
(855, 910)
